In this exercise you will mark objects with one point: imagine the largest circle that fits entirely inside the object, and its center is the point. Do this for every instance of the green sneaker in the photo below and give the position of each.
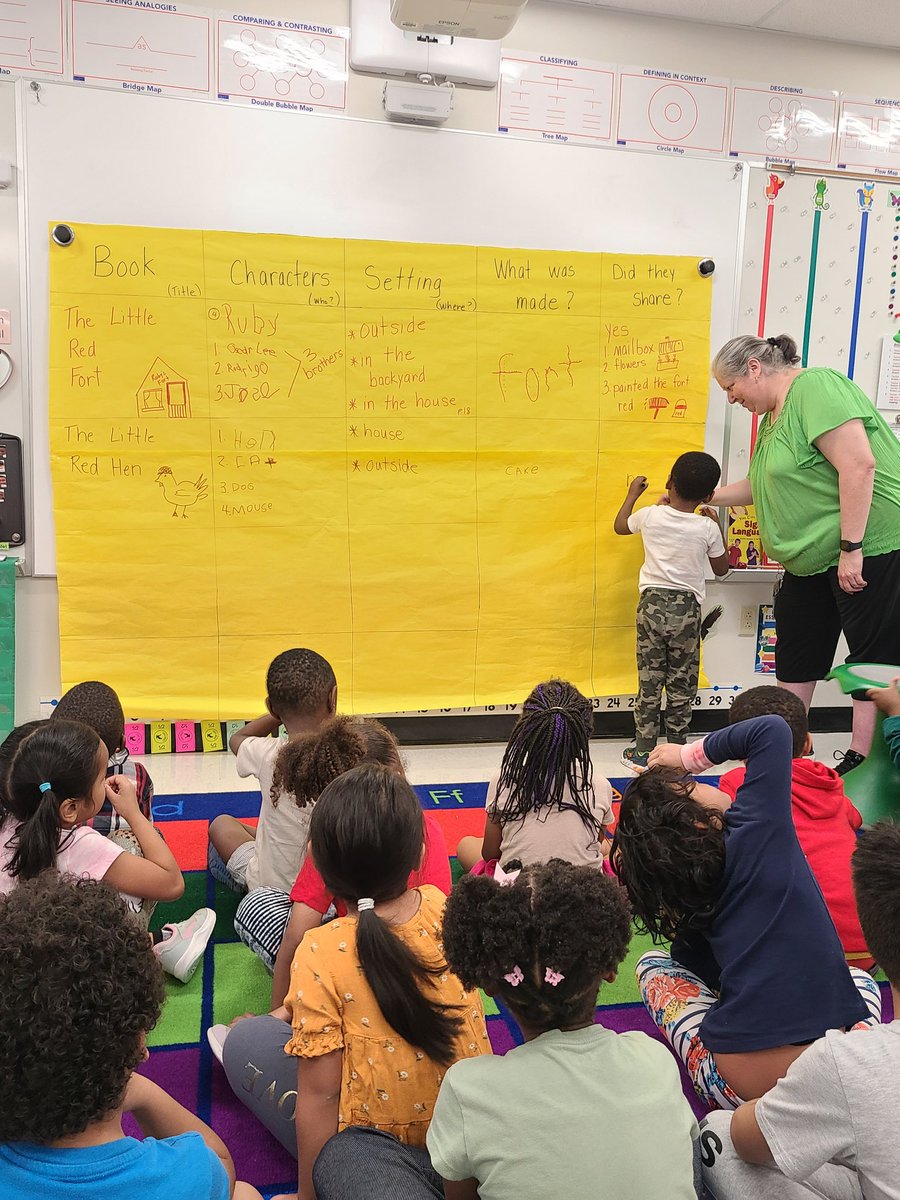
(184, 942)
(633, 758)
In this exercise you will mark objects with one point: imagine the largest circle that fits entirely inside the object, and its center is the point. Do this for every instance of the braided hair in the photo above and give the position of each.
(669, 852)
(306, 765)
(547, 763)
(543, 944)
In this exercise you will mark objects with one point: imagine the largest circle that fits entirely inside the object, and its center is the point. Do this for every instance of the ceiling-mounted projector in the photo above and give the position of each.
(491, 19)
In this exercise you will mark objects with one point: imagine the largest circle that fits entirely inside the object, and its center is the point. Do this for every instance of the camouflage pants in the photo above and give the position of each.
(668, 656)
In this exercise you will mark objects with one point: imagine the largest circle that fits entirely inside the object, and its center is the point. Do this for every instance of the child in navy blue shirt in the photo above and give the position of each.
(79, 992)
(756, 971)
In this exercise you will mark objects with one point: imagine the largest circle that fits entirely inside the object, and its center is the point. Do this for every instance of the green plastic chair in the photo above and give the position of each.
(873, 786)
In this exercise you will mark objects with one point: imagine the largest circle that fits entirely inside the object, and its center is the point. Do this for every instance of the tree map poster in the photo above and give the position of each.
(405, 456)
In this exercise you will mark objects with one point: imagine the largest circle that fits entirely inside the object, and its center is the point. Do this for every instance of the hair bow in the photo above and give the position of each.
(505, 878)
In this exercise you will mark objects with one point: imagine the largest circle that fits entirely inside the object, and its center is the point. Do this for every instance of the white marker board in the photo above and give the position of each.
(106, 157)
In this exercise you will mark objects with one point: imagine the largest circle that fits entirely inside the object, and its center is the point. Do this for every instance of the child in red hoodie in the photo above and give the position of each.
(824, 818)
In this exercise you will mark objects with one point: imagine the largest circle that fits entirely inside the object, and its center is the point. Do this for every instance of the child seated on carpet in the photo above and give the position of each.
(373, 1016)
(301, 695)
(576, 1111)
(55, 784)
(75, 1013)
(271, 922)
(96, 705)
(756, 971)
(887, 699)
(824, 817)
(545, 802)
(829, 1127)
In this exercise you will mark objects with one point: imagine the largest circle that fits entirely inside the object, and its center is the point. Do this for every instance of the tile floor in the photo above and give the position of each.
(179, 773)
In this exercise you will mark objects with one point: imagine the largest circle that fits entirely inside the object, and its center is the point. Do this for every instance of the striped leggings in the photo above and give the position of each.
(260, 922)
(678, 1000)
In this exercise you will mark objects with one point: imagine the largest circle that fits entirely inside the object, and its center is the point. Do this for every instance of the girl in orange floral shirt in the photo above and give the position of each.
(376, 1017)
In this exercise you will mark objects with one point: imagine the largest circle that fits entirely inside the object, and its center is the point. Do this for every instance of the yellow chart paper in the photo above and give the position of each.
(405, 456)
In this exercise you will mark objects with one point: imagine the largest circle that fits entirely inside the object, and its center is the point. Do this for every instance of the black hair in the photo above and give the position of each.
(876, 881)
(306, 765)
(766, 699)
(556, 922)
(669, 851)
(299, 682)
(63, 754)
(366, 836)
(94, 704)
(79, 991)
(547, 762)
(695, 475)
(8, 748)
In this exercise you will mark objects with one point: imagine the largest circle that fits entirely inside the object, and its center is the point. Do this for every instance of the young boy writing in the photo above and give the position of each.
(678, 543)
(829, 1127)
(301, 695)
(79, 993)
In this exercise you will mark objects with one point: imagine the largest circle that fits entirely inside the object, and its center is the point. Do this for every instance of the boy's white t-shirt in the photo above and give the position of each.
(838, 1103)
(677, 546)
(283, 829)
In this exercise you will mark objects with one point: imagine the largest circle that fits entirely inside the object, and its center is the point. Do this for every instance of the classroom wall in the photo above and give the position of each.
(547, 28)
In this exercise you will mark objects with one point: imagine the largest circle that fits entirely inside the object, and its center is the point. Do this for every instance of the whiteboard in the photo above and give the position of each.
(107, 157)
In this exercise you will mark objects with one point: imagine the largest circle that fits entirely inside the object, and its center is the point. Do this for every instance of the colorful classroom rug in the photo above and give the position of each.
(232, 980)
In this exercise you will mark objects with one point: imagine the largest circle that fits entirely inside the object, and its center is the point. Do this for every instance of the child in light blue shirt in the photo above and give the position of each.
(74, 1018)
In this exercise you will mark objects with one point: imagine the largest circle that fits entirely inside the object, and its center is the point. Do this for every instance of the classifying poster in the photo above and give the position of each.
(407, 457)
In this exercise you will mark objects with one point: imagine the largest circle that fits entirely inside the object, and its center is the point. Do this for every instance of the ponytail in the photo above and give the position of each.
(396, 976)
(63, 755)
(36, 840)
(366, 836)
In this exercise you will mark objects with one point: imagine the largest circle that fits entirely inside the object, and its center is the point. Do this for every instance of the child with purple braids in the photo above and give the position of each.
(545, 803)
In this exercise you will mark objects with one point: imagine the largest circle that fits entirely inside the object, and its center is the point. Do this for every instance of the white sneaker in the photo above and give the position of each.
(216, 1035)
(184, 942)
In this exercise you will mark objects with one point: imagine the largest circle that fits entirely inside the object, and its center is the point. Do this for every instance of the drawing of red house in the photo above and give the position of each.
(163, 393)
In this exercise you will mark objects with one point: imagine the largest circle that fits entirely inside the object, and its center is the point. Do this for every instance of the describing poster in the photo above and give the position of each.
(407, 457)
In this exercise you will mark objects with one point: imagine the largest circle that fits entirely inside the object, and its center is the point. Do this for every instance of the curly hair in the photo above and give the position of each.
(96, 705)
(299, 682)
(669, 852)
(306, 765)
(79, 990)
(547, 763)
(555, 919)
(694, 475)
(765, 700)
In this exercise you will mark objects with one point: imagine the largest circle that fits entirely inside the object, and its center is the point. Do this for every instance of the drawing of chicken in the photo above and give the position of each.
(180, 495)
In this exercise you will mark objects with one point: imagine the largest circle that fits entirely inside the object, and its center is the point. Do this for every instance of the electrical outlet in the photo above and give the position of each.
(747, 626)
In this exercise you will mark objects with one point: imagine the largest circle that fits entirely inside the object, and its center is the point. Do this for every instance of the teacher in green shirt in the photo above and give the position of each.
(825, 480)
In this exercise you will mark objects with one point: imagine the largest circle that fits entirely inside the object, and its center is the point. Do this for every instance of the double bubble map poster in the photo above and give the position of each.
(405, 456)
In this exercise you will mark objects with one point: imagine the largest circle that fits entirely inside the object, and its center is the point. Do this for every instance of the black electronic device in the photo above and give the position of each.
(12, 493)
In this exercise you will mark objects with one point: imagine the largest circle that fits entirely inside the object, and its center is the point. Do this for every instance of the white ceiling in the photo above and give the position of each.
(863, 22)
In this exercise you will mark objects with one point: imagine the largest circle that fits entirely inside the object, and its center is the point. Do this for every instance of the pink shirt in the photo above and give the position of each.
(82, 852)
